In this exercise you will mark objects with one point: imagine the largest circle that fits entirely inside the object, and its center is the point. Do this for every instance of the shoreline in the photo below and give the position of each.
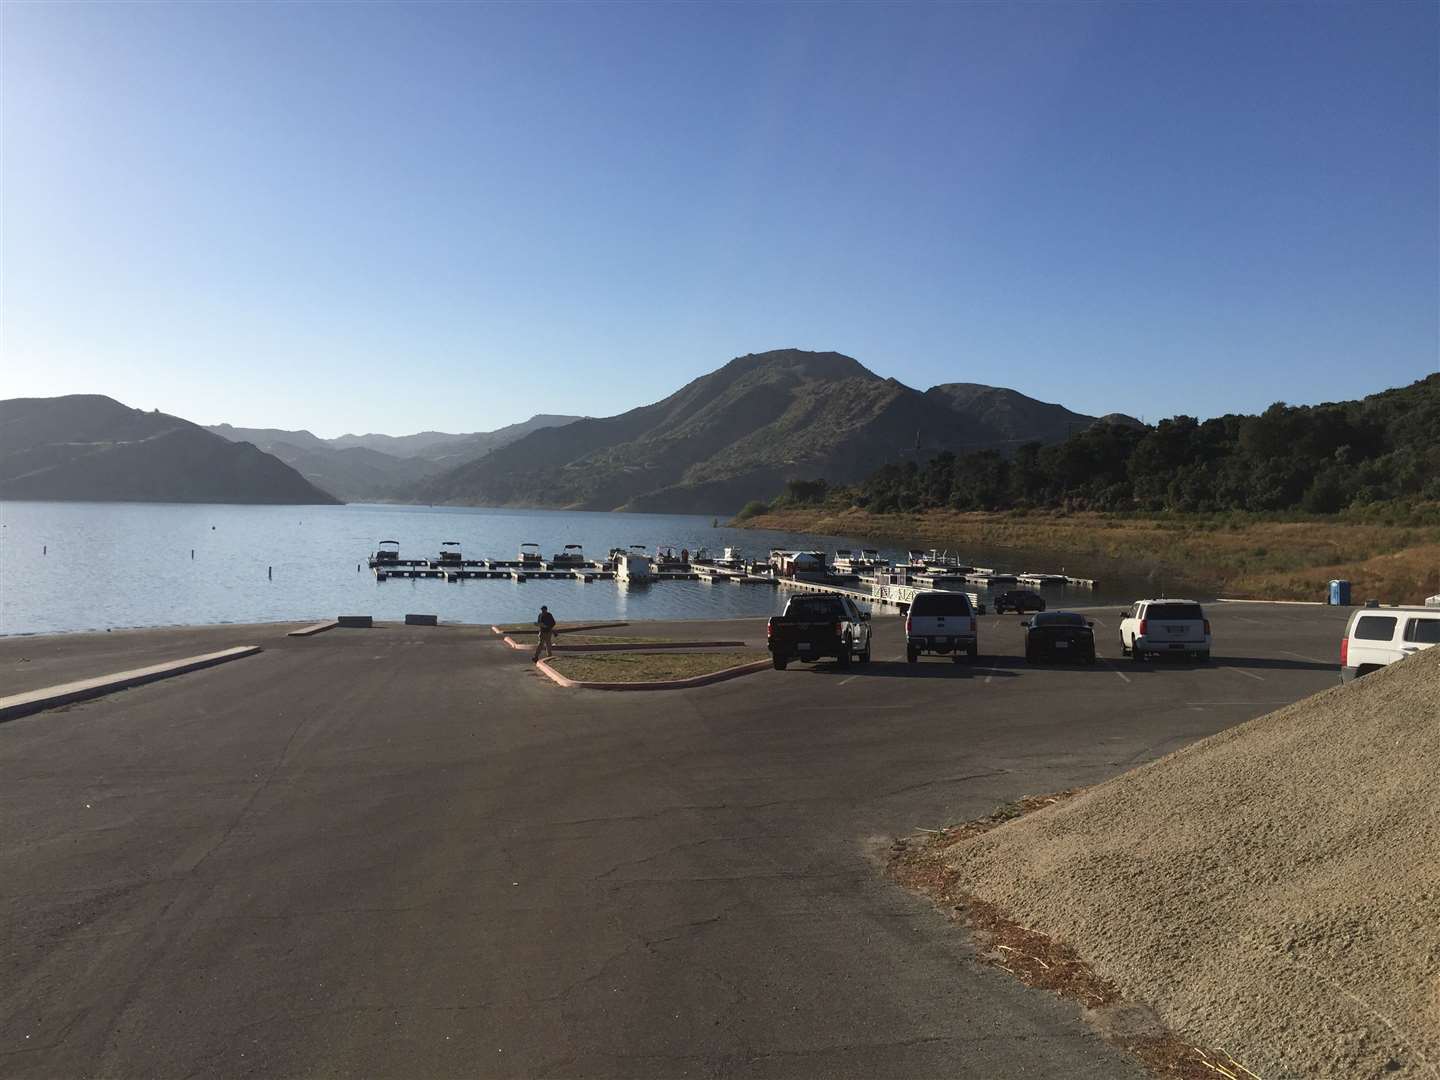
(1228, 556)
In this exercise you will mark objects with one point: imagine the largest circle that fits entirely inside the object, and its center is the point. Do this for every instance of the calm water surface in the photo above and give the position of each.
(92, 566)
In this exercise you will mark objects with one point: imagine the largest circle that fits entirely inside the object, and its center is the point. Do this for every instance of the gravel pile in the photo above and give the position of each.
(1273, 890)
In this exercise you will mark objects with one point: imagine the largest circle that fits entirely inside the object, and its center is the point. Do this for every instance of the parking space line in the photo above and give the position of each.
(1113, 668)
(1313, 660)
(1241, 671)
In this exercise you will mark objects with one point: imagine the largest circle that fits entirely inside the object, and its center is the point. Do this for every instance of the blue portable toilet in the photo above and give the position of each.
(1340, 592)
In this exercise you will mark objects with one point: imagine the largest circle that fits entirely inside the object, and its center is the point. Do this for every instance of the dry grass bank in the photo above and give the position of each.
(1270, 890)
(1270, 560)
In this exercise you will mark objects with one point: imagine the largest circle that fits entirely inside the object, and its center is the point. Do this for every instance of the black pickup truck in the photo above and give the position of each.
(816, 627)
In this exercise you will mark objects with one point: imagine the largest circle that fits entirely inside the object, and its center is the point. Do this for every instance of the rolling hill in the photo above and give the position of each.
(362, 468)
(741, 432)
(91, 447)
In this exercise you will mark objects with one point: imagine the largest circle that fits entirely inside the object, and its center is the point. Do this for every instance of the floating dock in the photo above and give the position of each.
(890, 586)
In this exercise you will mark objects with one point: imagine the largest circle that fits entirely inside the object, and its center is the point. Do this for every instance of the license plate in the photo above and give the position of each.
(1062, 644)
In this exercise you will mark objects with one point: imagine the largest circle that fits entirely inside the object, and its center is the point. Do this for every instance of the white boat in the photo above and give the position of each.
(386, 551)
(732, 558)
(632, 566)
(1032, 577)
(530, 554)
(449, 552)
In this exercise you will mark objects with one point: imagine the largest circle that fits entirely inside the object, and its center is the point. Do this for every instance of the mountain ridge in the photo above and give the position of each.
(742, 431)
(93, 448)
(358, 468)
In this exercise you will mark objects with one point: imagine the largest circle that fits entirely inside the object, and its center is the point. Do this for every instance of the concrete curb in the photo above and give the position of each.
(49, 697)
(568, 630)
(318, 628)
(666, 684)
(631, 646)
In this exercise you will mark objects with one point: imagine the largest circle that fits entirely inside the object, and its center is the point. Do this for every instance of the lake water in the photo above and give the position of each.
(93, 566)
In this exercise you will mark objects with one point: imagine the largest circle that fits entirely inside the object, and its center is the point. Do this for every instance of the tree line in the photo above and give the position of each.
(1317, 459)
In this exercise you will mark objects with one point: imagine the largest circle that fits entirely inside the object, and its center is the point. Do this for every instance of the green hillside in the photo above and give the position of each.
(744, 429)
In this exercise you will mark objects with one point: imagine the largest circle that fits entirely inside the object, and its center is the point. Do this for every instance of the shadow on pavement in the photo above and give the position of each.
(1178, 663)
(897, 669)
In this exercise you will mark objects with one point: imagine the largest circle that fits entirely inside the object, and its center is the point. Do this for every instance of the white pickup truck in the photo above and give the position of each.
(941, 621)
(1164, 626)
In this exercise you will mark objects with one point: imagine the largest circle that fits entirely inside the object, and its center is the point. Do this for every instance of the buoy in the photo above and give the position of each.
(270, 572)
(192, 553)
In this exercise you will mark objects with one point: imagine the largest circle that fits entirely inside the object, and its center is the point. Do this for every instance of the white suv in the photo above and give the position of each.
(1379, 636)
(1157, 627)
(943, 622)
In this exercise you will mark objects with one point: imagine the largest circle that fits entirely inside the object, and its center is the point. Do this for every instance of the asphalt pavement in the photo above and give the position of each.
(403, 852)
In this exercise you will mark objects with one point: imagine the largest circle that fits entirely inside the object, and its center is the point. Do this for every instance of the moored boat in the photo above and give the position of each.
(573, 555)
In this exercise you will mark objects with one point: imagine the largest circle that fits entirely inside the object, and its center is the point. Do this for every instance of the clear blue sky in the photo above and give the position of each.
(356, 217)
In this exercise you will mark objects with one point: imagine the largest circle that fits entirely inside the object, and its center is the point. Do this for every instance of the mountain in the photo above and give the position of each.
(444, 446)
(741, 432)
(361, 468)
(90, 447)
(1008, 417)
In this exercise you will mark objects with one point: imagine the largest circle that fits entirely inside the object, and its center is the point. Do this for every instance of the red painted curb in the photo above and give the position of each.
(667, 684)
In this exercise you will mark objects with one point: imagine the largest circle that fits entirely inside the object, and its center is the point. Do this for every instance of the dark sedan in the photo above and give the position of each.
(1059, 635)
(1019, 601)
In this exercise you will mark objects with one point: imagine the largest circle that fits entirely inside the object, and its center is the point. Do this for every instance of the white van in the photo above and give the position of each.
(1377, 636)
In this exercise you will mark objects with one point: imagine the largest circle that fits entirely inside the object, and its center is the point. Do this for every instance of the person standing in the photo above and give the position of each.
(546, 624)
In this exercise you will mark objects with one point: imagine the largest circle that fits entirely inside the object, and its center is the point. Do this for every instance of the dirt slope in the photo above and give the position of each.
(1273, 890)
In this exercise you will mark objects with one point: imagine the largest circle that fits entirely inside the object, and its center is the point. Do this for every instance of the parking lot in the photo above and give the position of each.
(403, 852)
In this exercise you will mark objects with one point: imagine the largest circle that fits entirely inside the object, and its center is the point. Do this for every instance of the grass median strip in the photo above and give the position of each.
(639, 667)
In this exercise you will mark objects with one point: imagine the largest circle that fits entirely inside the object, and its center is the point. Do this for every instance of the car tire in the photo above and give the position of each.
(956, 658)
(865, 656)
(911, 656)
(973, 652)
(779, 662)
(1090, 658)
(1135, 654)
(845, 653)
